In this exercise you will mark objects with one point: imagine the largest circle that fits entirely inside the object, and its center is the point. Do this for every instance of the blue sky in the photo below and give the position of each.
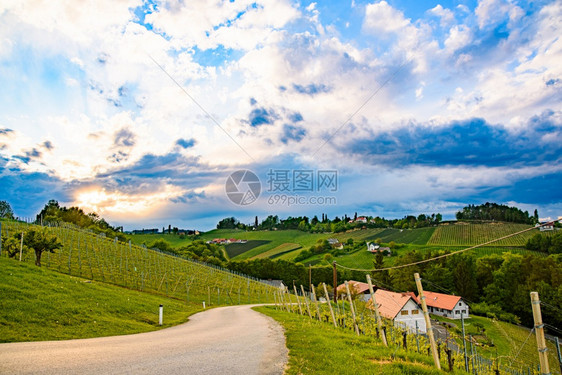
(140, 110)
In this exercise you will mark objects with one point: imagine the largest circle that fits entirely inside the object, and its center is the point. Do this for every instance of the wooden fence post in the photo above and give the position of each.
(335, 279)
(298, 300)
(351, 307)
(427, 322)
(330, 305)
(539, 333)
(376, 307)
(306, 301)
(315, 300)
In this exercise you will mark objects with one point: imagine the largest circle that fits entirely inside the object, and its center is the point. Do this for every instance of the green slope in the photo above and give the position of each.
(39, 304)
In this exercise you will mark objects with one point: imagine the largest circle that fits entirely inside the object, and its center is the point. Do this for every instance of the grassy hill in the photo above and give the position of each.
(95, 257)
(40, 304)
(288, 244)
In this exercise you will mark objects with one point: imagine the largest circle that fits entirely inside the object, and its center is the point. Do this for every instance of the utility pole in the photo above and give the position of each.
(427, 322)
(539, 333)
(335, 276)
(376, 307)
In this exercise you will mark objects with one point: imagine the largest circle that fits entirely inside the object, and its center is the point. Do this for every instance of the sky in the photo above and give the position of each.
(156, 113)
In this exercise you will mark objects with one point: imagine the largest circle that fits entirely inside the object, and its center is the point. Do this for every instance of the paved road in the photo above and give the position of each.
(228, 340)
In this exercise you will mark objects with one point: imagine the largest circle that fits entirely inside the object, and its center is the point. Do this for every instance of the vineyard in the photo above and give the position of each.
(279, 250)
(95, 257)
(463, 234)
(418, 236)
(493, 347)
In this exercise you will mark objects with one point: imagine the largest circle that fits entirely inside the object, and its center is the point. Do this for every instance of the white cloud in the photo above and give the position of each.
(491, 12)
(381, 17)
(459, 36)
(446, 15)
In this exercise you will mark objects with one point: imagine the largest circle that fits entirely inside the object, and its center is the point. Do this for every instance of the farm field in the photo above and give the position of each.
(275, 238)
(235, 249)
(286, 245)
(464, 234)
(418, 236)
(280, 250)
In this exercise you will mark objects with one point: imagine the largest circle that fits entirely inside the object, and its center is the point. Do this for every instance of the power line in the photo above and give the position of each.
(444, 255)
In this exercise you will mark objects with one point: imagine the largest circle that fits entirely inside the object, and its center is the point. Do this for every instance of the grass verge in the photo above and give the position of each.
(319, 348)
(38, 304)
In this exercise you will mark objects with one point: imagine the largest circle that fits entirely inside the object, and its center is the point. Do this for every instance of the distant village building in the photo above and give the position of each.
(401, 308)
(335, 243)
(374, 247)
(225, 241)
(445, 305)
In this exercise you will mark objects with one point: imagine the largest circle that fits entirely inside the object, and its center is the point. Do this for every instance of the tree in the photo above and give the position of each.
(6, 210)
(41, 241)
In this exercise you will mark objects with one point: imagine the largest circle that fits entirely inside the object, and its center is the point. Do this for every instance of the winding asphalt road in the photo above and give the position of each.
(227, 340)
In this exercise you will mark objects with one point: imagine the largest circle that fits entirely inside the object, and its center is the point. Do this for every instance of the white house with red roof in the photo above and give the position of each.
(445, 305)
(401, 308)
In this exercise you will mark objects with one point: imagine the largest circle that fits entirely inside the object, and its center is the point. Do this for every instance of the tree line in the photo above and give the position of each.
(497, 212)
(335, 225)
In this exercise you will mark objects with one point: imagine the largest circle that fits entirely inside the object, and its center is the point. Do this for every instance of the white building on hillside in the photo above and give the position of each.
(401, 308)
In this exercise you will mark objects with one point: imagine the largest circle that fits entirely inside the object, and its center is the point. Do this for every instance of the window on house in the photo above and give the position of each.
(464, 312)
(457, 312)
(460, 303)
(415, 312)
(404, 312)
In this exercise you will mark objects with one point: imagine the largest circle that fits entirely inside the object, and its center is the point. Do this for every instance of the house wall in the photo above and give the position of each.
(461, 306)
(409, 321)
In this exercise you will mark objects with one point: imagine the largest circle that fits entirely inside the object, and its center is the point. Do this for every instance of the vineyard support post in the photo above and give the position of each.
(160, 314)
(464, 344)
(539, 333)
(315, 300)
(298, 300)
(557, 342)
(351, 307)
(0, 239)
(417, 337)
(417, 278)
(377, 313)
(21, 245)
(330, 305)
(335, 279)
(306, 301)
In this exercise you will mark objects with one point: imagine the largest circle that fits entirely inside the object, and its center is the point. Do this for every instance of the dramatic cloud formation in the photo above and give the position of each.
(140, 109)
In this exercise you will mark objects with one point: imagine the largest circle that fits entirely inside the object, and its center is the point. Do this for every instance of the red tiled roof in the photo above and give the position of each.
(390, 303)
(359, 287)
(440, 300)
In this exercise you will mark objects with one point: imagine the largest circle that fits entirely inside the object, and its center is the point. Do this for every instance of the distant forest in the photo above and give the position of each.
(497, 212)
